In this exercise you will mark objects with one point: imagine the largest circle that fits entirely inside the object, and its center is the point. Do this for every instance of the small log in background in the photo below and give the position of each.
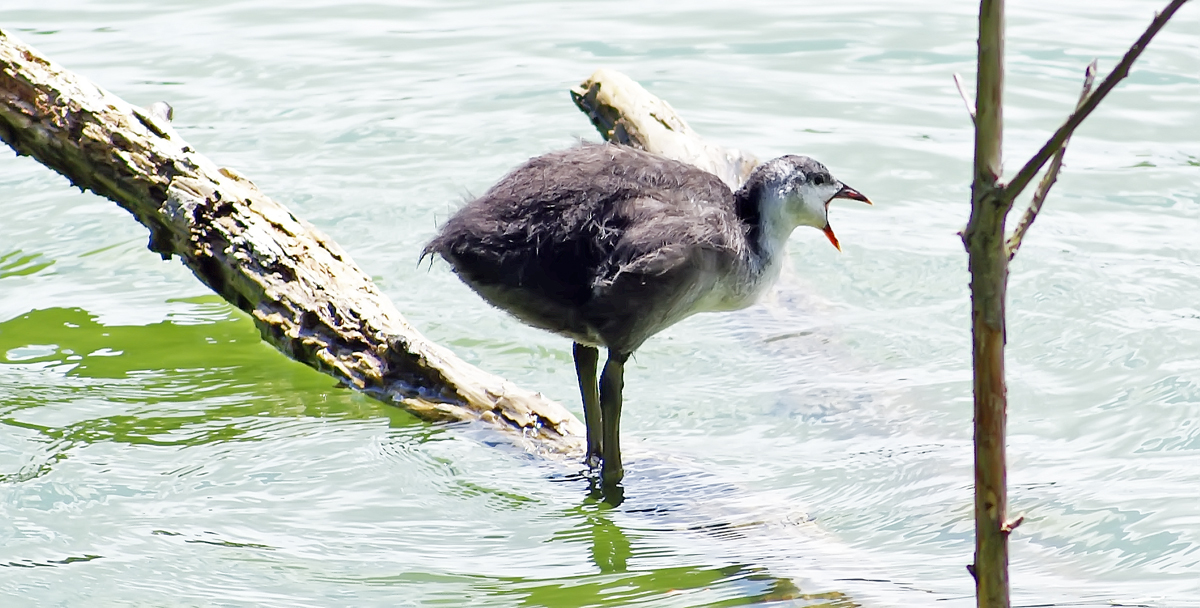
(304, 293)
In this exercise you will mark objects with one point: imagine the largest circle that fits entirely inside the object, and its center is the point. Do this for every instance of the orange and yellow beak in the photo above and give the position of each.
(845, 192)
(832, 238)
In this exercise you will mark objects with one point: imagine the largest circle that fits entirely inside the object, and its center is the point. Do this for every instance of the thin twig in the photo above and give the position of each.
(1012, 524)
(962, 93)
(1026, 174)
(1039, 197)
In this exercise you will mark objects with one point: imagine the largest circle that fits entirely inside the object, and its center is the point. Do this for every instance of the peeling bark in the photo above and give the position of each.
(303, 291)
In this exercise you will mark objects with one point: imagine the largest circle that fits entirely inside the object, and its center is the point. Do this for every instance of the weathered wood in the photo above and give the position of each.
(625, 113)
(304, 293)
(302, 290)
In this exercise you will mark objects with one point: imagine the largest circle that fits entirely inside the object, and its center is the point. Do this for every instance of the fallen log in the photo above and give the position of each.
(312, 303)
(302, 290)
(304, 293)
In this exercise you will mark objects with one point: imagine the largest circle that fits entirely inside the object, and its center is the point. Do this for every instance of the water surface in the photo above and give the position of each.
(811, 450)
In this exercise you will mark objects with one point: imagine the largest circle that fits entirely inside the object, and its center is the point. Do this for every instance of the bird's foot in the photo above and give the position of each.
(604, 482)
(612, 494)
(611, 476)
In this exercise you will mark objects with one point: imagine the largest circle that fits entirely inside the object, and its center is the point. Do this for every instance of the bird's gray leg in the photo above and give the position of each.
(586, 359)
(612, 381)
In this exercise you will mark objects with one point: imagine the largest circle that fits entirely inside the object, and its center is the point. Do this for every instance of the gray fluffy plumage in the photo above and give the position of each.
(608, 245)
(599, 243)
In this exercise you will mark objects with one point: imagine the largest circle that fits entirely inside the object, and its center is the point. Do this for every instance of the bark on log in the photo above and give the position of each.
(303, 291)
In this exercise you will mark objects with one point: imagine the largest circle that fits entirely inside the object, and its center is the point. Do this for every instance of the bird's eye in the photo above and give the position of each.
(818, 180)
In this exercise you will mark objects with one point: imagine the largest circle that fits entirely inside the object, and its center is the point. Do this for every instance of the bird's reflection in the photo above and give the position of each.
(611, 548)
(610, 494)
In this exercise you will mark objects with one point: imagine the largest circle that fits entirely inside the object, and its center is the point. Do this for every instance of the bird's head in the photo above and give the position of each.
(799, 190)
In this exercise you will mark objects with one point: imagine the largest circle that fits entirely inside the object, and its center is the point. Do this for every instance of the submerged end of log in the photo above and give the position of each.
(624, 112)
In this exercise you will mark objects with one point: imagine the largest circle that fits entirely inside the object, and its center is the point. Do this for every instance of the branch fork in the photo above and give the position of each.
(1051, 175)
(989, 254)
(1055, 148)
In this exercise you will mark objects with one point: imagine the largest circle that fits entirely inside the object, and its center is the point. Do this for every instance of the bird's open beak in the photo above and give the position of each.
(851, 193)
(829, 234)
(845, 192)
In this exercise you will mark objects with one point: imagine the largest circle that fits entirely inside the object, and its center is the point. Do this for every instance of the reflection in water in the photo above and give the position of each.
(610, 546)
(824, 436)
(188, 382)
(612, 550)
(15, 263)
(612, 494)
(205, 381)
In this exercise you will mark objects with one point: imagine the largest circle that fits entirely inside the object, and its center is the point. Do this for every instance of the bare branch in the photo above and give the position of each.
(1039, 197)
(984, 238)
(962, 93)
(1026, 174)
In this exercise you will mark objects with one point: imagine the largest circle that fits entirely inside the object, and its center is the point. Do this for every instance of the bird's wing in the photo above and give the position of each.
(664, 233)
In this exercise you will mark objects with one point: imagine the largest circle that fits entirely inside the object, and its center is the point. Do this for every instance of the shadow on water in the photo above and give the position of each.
(734, 585)
(669, 509)
(189, 381)
(206, 378)
(17, 263)
(622, 576)
(612, 548)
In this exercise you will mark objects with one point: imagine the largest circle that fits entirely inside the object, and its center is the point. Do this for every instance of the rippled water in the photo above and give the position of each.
(813, 450)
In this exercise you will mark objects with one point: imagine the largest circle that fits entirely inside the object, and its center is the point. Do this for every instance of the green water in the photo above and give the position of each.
(814, 450)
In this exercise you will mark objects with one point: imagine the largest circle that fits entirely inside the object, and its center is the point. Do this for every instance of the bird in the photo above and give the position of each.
(608, 245)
